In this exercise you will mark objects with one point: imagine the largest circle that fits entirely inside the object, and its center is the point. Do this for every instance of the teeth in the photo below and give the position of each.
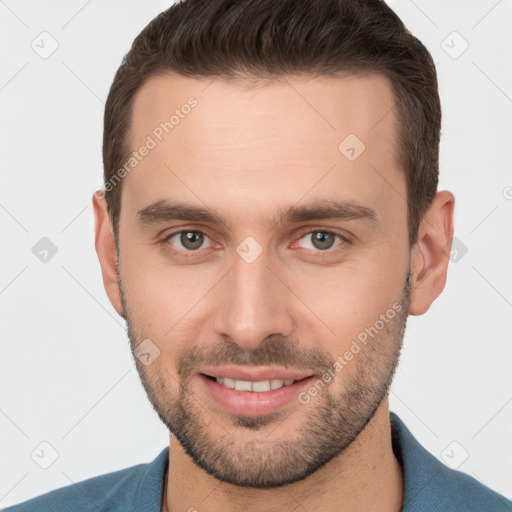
(257, 387)
(229, 383)
(243, 385)
(276, 383)
(264, 385)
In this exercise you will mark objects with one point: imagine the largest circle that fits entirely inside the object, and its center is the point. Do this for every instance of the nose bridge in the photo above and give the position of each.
(252, 303)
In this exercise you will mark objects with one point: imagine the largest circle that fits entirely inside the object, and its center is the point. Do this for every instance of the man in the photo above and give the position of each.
(270, 218)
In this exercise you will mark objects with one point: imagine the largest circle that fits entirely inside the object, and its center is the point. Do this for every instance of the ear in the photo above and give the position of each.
(430, 254)
(106, 250)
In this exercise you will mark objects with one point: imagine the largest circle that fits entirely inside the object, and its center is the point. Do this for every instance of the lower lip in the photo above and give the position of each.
(251, 403)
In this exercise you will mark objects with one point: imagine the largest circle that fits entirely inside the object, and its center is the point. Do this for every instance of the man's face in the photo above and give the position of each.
(263, 296)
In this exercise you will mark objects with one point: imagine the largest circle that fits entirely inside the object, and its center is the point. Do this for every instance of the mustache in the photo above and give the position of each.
(271, 352)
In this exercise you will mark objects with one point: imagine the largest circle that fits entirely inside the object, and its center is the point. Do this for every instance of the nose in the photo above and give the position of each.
(253, 303)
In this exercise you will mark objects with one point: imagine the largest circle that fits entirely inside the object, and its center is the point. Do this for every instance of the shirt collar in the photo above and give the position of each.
(428, 484)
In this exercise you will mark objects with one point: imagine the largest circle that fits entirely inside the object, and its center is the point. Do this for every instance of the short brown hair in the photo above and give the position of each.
(267, 39)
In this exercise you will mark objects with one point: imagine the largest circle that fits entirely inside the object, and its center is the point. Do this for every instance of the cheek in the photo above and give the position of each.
(164, 300)
(153, 282)
(173, 304)
(350, 297)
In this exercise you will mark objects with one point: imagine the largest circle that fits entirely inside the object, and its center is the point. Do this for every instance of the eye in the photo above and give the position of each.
(321, 240)
(190, 240)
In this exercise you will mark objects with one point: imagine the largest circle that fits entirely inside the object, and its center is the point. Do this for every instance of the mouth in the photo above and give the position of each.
(261, 386)
(253, 392)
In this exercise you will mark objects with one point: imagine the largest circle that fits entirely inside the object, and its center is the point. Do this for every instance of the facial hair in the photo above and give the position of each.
(334, 418)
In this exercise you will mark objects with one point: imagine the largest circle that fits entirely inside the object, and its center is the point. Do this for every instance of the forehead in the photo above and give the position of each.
(300, 108)
(322, 136)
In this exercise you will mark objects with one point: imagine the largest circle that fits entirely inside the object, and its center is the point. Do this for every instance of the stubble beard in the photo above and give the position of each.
(333, 419)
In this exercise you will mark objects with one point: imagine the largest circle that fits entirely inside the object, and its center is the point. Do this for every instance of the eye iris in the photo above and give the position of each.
(191, 239)
(325, 240)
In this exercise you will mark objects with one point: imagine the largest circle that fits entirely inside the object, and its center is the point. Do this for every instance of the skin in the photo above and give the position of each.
(246, 154)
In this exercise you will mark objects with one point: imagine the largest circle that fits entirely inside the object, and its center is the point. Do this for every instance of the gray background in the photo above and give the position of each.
(67, 377)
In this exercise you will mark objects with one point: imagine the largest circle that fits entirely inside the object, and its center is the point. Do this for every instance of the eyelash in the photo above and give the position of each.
(317, 253)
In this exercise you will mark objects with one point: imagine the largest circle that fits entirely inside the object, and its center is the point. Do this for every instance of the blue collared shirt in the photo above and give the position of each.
(429, 486)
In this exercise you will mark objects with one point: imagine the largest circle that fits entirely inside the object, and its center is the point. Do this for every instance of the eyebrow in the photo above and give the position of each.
(166, 211)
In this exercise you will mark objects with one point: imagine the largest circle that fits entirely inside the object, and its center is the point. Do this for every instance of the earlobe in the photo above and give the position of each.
(106, 251)
(430, 255)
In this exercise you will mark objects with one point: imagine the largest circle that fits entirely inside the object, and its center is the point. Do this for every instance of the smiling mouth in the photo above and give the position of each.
(261, 386)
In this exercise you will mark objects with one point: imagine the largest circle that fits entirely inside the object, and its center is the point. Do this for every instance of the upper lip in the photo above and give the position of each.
(255, 373)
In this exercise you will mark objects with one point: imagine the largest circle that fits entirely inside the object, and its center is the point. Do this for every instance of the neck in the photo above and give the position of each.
(364, 475)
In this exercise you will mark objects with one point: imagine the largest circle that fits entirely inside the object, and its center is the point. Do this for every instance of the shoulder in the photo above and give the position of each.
(116, 491)
(430, 485)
